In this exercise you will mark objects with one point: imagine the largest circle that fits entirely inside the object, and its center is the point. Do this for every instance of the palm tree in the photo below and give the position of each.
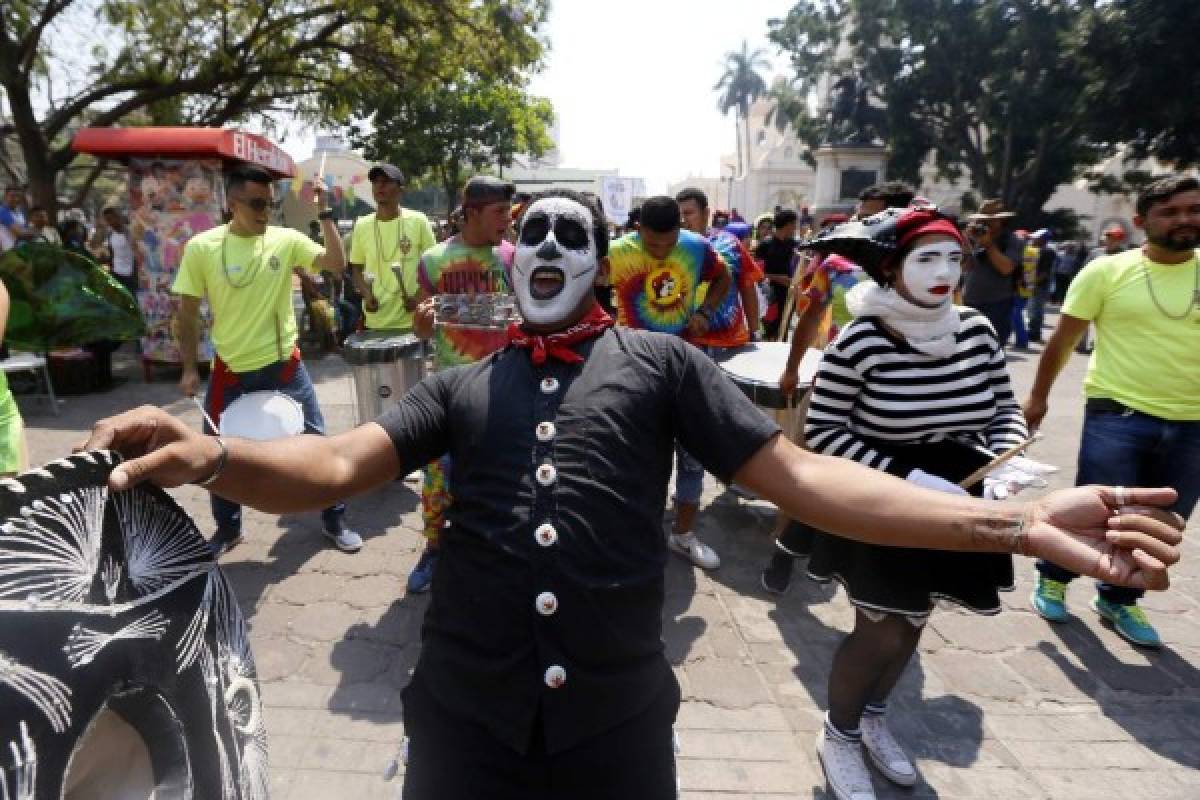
(741, 85)
(789, 103)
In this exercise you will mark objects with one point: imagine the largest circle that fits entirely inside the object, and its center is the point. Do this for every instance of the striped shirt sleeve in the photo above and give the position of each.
(835, 394)
(1007, 428)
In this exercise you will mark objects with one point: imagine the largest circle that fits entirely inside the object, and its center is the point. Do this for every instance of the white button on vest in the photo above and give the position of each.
(555, 677)
(549, 385)
(545, 431)
(546, 603)
(545, 534)
(546, 474)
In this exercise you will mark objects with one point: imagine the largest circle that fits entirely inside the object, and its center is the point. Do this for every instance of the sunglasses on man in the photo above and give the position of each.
(256, 203)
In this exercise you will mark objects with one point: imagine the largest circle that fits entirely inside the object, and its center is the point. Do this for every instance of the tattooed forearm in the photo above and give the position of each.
(1003, 531)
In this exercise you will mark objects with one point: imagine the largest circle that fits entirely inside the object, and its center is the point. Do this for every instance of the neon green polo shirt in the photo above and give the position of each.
(403, 240)
(247, 281)
(1143, 358)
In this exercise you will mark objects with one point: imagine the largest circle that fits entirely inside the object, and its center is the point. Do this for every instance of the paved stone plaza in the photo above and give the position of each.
(1005, 707)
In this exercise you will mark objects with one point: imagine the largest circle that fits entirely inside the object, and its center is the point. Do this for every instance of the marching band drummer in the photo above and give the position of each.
(477, 259)
(244, 270)
(541, 672)
(918, 388)
(392, 236)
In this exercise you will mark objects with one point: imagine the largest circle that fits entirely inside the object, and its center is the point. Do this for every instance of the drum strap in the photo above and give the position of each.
(223, 379)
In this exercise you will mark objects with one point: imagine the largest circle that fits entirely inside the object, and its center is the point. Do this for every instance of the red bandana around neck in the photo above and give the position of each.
(559, 345)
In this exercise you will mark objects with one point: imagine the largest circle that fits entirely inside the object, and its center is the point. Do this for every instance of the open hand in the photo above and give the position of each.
(156, 446)
(1122, 536)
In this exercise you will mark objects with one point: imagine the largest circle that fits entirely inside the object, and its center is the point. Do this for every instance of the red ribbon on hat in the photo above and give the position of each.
(560, 345)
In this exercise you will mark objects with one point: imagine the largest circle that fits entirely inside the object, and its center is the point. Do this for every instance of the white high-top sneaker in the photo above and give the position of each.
(886, 753)
(844, 767)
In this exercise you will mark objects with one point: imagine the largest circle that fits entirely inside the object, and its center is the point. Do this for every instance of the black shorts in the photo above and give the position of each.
(455, 759)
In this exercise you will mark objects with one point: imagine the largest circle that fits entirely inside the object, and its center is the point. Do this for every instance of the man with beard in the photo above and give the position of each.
(542, 672)
(1142, 423)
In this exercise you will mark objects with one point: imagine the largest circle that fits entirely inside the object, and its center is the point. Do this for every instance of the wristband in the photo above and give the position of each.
(327, 214)
(221, 459)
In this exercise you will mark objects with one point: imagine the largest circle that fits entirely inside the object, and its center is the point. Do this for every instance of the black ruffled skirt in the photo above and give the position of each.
(905, 580)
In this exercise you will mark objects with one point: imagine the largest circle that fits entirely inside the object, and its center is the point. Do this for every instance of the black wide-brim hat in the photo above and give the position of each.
(875, 241)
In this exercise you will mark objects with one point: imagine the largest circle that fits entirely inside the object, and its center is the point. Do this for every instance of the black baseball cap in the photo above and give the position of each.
(388, 171)
(483, 190)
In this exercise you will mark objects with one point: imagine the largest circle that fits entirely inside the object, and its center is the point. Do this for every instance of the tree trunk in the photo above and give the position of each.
(40, 172)
(737, 136)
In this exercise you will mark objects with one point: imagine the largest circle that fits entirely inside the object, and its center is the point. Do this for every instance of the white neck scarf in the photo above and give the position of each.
(929, 330)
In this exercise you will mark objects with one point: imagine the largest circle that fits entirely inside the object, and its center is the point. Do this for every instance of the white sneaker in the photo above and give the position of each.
(690, 547)
(886, 753)
(844, 768)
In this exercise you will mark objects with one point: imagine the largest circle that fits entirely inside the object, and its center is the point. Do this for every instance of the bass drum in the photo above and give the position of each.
(125, 668)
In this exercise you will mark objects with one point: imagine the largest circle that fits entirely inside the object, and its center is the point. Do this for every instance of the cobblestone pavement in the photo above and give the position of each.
(999, 707)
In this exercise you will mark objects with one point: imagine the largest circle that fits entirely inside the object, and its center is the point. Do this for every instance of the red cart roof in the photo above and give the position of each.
(185, 143)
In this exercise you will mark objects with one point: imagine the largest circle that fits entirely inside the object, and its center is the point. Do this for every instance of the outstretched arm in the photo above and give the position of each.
(300, 473)
(1128, 540)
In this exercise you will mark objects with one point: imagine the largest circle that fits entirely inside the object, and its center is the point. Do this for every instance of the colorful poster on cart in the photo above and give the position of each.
(170, 201)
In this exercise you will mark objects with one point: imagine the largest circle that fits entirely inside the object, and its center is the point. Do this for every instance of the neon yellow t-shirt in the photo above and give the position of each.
(403, 240)
(248, 283)
(1143, 359)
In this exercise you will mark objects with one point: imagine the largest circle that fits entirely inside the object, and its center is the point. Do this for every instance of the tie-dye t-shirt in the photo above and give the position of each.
(454, 267)
(656, 295)
(728, 326)
(825, 284)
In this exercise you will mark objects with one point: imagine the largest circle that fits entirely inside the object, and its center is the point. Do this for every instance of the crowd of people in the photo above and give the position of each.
(550, 428)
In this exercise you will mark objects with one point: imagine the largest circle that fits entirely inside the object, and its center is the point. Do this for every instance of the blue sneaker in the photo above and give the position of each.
(1129, 622)
(421, 578)
(1049, 600)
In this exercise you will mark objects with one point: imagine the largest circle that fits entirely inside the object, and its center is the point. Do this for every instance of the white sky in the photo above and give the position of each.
(661, 128)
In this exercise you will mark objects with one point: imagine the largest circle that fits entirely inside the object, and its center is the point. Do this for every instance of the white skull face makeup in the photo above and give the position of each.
(555, 262)
(930, 272)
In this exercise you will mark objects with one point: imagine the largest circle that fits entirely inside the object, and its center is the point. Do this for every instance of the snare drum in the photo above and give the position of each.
(756, 368)
(262, 416)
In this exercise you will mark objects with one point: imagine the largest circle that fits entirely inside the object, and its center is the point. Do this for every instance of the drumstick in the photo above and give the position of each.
(207, 418)
(979, 474)
(320, 177)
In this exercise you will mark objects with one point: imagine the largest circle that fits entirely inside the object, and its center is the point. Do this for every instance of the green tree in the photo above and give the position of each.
(986, 85)
(1141, 73)
(740, 85)
(468, 126)
(65, 64)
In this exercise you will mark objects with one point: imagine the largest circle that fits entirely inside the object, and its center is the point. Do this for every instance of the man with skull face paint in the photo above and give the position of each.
(541, 672)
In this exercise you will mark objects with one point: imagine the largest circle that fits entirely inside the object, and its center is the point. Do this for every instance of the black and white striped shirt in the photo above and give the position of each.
(872, 385)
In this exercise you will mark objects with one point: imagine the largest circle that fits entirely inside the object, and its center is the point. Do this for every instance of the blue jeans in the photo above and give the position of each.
(1018, 322)
(999, 313)
(1134, 449)
(228, 514)
(689, 477)
(1037, 312)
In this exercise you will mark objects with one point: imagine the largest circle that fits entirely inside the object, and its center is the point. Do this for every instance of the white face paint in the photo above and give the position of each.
(555, 263)
(931, 272)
